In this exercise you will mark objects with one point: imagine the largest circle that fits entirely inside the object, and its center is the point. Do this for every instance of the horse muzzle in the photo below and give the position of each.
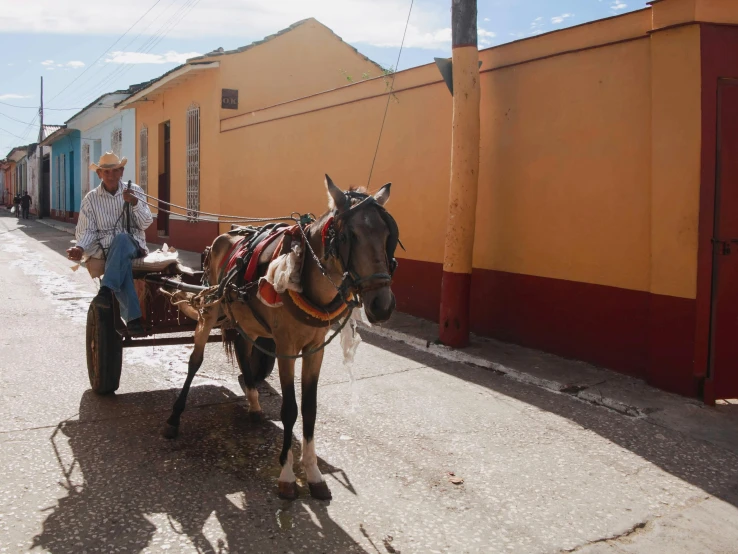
(379, 304)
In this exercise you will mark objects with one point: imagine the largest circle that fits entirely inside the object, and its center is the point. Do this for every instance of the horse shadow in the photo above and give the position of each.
(212, 490)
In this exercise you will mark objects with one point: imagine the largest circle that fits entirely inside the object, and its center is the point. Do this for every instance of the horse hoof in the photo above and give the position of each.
(170, 431)
(320, 491)
(287, 491)
(256, 417)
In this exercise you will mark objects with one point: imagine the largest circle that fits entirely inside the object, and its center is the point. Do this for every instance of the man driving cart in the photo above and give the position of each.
(111, 232)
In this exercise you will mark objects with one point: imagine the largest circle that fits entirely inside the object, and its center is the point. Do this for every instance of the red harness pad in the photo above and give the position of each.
(231, 256)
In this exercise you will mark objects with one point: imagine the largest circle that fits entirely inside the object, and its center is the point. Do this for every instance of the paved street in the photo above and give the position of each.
(421, 454)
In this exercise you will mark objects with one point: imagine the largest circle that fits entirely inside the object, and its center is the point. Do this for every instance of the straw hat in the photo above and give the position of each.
(109, 161)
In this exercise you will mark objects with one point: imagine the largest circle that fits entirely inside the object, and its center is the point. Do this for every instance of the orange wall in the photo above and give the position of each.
(309, 58)
(676, 149)
(566, 156)
(303, 61)
(564, 178)
(172, 106)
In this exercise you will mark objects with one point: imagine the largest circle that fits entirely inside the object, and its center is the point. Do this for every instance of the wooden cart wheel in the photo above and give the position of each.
(104, 350)
(260, 364)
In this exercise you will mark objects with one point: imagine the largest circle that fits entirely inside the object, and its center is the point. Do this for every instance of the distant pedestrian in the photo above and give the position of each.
(25, 202)
(17, 205)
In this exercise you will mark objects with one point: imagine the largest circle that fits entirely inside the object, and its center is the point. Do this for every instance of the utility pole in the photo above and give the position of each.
(40, 154)
(461, 225)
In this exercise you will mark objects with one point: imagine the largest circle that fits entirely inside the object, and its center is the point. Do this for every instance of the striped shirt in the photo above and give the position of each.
(101, 218)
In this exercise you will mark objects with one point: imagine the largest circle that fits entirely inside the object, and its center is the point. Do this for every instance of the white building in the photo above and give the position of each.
(105, 128)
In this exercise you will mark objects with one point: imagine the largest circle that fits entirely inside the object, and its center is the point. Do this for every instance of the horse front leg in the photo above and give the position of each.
(310, 373)
(287, 484)
(202, 333)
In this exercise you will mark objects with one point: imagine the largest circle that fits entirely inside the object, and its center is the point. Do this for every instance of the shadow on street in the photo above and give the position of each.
(215, 486)
(699, 463)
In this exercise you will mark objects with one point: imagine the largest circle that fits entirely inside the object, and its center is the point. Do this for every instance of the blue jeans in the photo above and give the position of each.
(119, 275)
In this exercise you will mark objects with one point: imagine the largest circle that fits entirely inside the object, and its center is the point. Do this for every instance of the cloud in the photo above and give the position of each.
(374, 22)
(560, 18)
(48, 62)
(617, 6)
(486, 18)
(485, 36)
(75, 64)
(12, 96)
(139, 58)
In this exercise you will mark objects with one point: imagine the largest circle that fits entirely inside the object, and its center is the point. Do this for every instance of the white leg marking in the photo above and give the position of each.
(287, 475)
(253, 396)
(310, 462)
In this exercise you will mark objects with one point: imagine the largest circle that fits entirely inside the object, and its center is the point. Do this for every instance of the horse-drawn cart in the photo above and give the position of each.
(164, 322)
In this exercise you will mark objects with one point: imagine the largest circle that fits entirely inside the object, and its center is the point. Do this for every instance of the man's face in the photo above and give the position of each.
(110, 177)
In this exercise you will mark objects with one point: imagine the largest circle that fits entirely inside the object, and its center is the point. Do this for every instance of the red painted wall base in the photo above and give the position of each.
(454, 318)
(184, 235)
(637, 333)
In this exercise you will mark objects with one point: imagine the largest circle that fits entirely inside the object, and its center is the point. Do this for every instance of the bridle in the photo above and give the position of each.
(338, 244)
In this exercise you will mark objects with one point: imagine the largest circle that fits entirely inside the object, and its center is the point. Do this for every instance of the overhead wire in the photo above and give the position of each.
(389, 94)
(118, 70)
(151, 42)
(105, 52)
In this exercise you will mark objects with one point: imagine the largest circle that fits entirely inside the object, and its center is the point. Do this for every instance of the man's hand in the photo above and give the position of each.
(129, 197)
(75, 253)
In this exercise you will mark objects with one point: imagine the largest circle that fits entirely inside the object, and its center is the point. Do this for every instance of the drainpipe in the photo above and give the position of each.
(460, 227)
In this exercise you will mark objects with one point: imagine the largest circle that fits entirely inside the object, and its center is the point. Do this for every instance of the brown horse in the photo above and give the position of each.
(354, 242)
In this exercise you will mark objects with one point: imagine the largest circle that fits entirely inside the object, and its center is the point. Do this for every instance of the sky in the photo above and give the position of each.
(86, 48)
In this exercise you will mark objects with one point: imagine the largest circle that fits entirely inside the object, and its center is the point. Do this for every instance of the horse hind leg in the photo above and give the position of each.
(202, 333)
(247, 380)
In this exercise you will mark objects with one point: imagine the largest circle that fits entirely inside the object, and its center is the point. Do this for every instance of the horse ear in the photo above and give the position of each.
(336, 198)
(383, 195)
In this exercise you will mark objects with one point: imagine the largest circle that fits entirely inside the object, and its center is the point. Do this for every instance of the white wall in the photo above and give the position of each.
(34, 177)
(99, 138)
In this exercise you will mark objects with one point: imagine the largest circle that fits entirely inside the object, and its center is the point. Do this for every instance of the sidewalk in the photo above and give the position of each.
(602, 387)
(588, 383)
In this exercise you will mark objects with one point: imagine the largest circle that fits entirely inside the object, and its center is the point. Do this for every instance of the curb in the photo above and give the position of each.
(579, 392)
(53, 224)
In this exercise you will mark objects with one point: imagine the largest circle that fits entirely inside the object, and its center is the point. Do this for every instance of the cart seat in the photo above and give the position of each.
(159, 261)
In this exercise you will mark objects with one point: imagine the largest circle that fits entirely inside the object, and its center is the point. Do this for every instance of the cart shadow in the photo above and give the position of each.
(211, 490)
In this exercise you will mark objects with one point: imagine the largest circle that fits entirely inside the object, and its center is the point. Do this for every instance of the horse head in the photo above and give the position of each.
(361, 237)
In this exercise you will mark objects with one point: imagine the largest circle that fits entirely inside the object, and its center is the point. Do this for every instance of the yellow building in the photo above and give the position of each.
(178, 119)
(597, 190)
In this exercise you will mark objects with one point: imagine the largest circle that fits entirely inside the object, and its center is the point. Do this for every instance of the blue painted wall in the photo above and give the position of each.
(68, 198)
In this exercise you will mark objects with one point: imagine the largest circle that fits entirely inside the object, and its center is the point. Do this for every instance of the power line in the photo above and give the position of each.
(12, 134)
(389, 94)
(106, 51)
(149, 44)
(14, 119)
(45, 109)
(119, 70)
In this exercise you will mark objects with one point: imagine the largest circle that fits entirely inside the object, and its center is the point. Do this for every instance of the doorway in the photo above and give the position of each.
(46, 188)
(162, 219)
(723, 361)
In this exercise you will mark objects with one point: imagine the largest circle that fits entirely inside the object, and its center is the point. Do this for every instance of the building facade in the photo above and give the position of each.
(601, 149)
(178, 118)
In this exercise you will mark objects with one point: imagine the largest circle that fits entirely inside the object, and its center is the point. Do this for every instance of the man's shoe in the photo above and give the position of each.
(104, 298)
(135, 327)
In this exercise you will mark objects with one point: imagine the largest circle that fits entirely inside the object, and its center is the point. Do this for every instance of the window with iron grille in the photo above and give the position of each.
(116, 140)
(85, 169)
(143, 160)
(193, 161)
